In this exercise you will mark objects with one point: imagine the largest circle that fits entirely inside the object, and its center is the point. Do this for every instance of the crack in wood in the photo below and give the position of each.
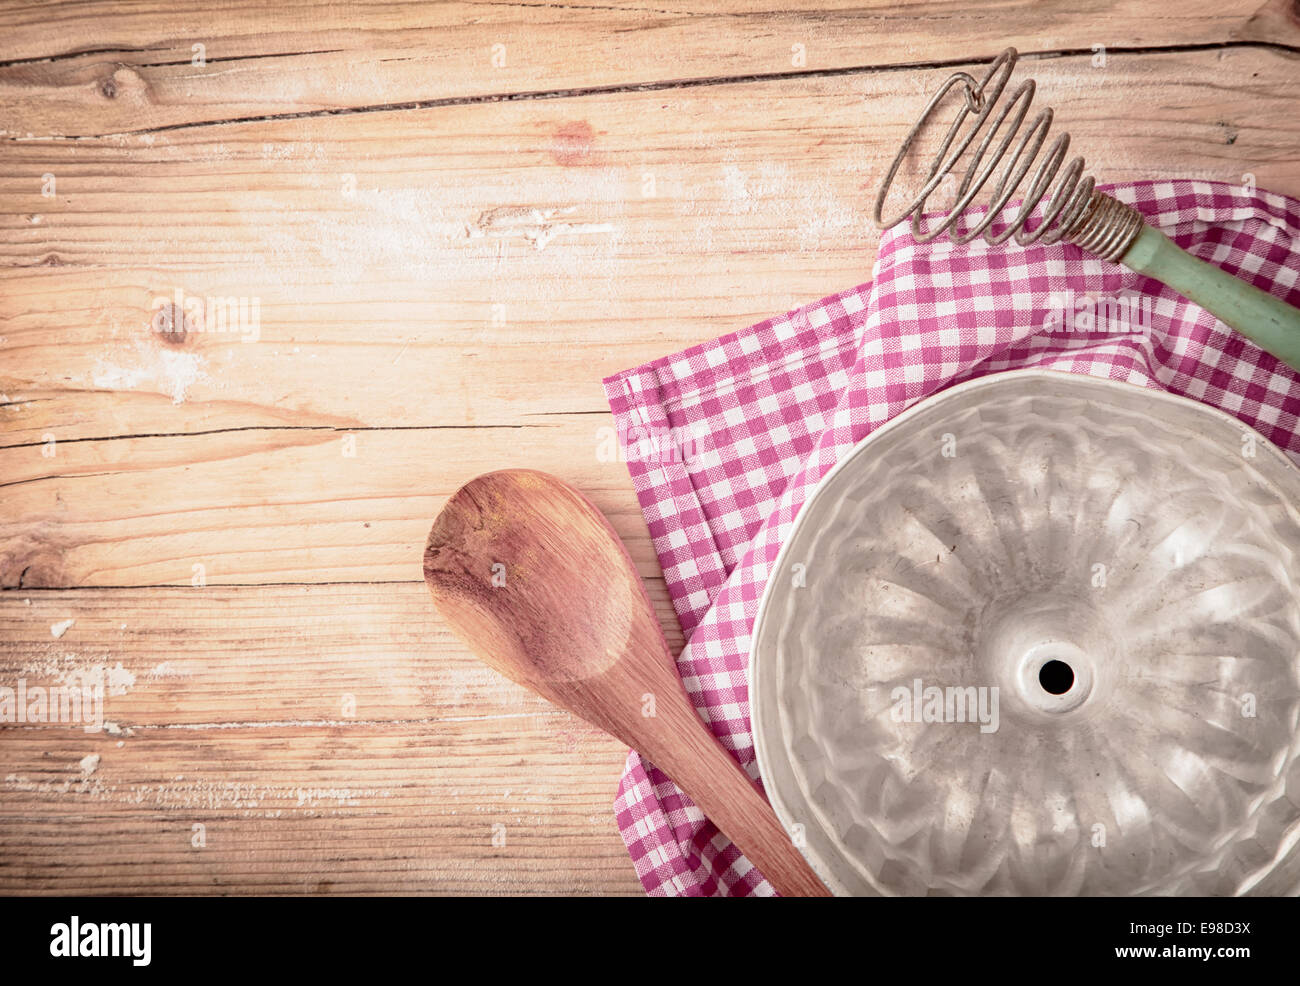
(42, 479)
(185, 587)
(240, 58)
(182, 586)
(69, 55)
(668, 85)
(618, 10)
(338, 429)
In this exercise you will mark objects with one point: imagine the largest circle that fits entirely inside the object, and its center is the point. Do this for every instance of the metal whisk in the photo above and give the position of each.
(1076, 212)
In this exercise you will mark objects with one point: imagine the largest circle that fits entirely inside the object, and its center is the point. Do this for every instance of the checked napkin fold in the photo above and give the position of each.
(728, 439)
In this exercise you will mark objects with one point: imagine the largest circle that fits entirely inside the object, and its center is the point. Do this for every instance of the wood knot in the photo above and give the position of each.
(33, 563)
(172, 325)
(124, 83)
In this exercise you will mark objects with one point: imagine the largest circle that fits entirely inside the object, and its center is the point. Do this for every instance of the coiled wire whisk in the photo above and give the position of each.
(1076, 213)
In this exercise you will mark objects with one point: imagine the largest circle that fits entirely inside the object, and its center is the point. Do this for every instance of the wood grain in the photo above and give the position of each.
(231, 714)
(273, 506)
(447, 257)
(421, 300)
(93, 68)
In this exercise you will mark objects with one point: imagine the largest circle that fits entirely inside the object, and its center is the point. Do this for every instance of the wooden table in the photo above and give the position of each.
(453, 219)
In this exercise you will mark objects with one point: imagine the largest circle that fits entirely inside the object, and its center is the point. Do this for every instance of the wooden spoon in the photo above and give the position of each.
(530, 575)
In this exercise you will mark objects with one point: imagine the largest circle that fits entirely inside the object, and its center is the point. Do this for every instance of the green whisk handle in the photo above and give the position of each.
(1268, 321)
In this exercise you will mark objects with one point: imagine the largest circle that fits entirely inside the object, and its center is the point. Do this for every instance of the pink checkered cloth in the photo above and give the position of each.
(726, 440)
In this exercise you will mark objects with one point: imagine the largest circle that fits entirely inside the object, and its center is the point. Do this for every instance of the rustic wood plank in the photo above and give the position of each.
(378, 243)
(286, 505)
(378, 309)
(330, 739)
(366, 809)
(382, 644)
(90, 68)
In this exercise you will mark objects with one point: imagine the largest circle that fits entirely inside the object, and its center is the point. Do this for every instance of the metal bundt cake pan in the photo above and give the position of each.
(1039, 635)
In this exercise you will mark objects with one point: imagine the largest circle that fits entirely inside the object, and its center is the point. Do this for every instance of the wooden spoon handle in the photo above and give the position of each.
(703, 768)
(677, 741)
